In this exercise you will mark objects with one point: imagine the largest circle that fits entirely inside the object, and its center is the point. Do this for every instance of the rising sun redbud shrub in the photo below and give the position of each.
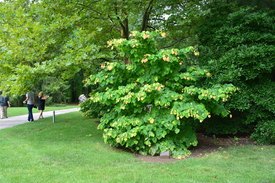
(150, 98)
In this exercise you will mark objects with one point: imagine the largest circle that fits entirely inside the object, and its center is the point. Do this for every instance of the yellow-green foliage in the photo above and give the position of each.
(151, 97)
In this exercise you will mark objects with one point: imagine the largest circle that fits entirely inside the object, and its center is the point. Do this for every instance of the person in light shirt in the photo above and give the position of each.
(30, 104)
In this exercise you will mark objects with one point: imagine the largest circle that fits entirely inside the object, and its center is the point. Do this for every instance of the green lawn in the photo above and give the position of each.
(72, 151)
(16, 111)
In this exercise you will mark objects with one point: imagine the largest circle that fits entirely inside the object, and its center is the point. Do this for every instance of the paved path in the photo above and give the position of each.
(17, 120)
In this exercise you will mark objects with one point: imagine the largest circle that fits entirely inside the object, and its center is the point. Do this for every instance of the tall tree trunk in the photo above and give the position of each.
(125, 29)
(146, 16)
(124, 24)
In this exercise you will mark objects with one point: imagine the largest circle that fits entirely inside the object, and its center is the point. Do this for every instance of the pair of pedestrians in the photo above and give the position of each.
(30, 101)
(4, 104)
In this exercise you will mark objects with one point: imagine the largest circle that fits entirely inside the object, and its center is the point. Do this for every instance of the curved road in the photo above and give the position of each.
(17, 120)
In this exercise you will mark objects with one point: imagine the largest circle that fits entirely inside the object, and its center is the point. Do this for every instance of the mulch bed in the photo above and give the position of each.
(205, 146)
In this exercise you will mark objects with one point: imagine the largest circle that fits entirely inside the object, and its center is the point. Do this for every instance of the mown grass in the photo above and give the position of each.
(73, 151)
(17, 111)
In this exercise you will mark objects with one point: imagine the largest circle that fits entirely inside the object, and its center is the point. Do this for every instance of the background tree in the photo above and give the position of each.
(237, 46)
(46, 43)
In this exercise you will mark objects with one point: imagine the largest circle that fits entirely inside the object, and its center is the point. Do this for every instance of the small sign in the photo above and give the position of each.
(165, 154)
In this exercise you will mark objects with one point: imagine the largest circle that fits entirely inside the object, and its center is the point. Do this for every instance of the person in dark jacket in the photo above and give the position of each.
(2, 101)
(6, 106)
(41, 103)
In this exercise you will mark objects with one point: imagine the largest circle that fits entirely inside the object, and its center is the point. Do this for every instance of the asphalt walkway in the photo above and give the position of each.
(17, 120)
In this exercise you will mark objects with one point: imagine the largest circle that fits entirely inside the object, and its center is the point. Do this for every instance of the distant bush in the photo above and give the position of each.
(91, 109)
(265, 133)
(17, 101)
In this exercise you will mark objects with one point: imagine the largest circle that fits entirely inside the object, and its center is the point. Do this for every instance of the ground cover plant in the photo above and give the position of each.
(73, 150)
(152, 97)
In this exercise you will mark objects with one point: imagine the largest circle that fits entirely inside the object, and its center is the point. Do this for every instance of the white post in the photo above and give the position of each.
(53, 116)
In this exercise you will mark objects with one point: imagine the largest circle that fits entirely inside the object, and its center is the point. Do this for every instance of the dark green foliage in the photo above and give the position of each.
(241, 51)
(265, 132)
(229, 126)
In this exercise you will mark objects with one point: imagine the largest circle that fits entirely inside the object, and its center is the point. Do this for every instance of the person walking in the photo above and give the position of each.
(2, 104)
(6, 105)
(41, 103)
(30, 104)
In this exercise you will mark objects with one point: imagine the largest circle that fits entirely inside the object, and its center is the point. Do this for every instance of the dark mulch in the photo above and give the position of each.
(205, 146)
(208, 144)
